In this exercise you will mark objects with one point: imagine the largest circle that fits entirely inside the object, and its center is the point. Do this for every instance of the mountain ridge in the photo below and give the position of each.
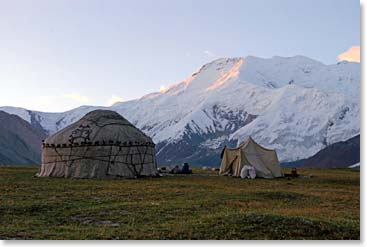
(296, 105)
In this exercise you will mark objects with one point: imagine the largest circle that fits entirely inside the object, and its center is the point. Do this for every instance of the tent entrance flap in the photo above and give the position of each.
(232, 160)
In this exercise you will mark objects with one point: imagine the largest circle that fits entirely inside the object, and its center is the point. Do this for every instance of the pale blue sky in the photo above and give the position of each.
(57, 55)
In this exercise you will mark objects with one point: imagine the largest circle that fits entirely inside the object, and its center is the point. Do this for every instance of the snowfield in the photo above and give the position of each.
(295, 105)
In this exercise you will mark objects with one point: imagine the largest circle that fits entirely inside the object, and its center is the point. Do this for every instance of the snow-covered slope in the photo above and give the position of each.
(296, 105)
(49, 121)
(357, 165)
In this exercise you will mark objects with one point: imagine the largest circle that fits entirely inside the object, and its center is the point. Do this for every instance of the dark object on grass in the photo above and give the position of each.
(293, 174)
(163, 169)
(186, 169)
(175, 170)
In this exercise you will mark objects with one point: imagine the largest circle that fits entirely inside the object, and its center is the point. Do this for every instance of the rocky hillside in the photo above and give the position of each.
(338, 155)
(20, 142)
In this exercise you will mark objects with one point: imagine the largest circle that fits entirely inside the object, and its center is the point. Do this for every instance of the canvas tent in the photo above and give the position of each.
(265, 161)
(102, 144)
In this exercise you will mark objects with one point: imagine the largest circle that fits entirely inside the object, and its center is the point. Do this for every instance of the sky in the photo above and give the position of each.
(58, 55)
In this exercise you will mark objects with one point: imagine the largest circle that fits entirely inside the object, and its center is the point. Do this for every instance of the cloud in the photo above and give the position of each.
(46, 100)
(76, 97)
(162, 88)
(57, 103)
(113, 100)
(353, 54)
(209, 53)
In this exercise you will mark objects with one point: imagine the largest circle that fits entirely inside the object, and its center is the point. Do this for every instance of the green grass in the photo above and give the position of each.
(180, 207)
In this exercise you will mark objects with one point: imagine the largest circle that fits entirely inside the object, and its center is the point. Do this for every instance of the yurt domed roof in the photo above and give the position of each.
(100, 127)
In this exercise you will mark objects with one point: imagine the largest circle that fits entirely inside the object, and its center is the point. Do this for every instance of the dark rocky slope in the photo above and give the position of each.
(337, 155)
(20, 142)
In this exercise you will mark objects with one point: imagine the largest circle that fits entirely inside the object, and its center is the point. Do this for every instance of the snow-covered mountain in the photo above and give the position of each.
(296, 105)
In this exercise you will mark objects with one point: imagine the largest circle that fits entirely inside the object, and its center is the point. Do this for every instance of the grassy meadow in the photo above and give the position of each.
(326, 206)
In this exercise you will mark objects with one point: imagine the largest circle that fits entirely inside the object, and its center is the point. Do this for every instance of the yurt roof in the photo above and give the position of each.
(100, 127)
